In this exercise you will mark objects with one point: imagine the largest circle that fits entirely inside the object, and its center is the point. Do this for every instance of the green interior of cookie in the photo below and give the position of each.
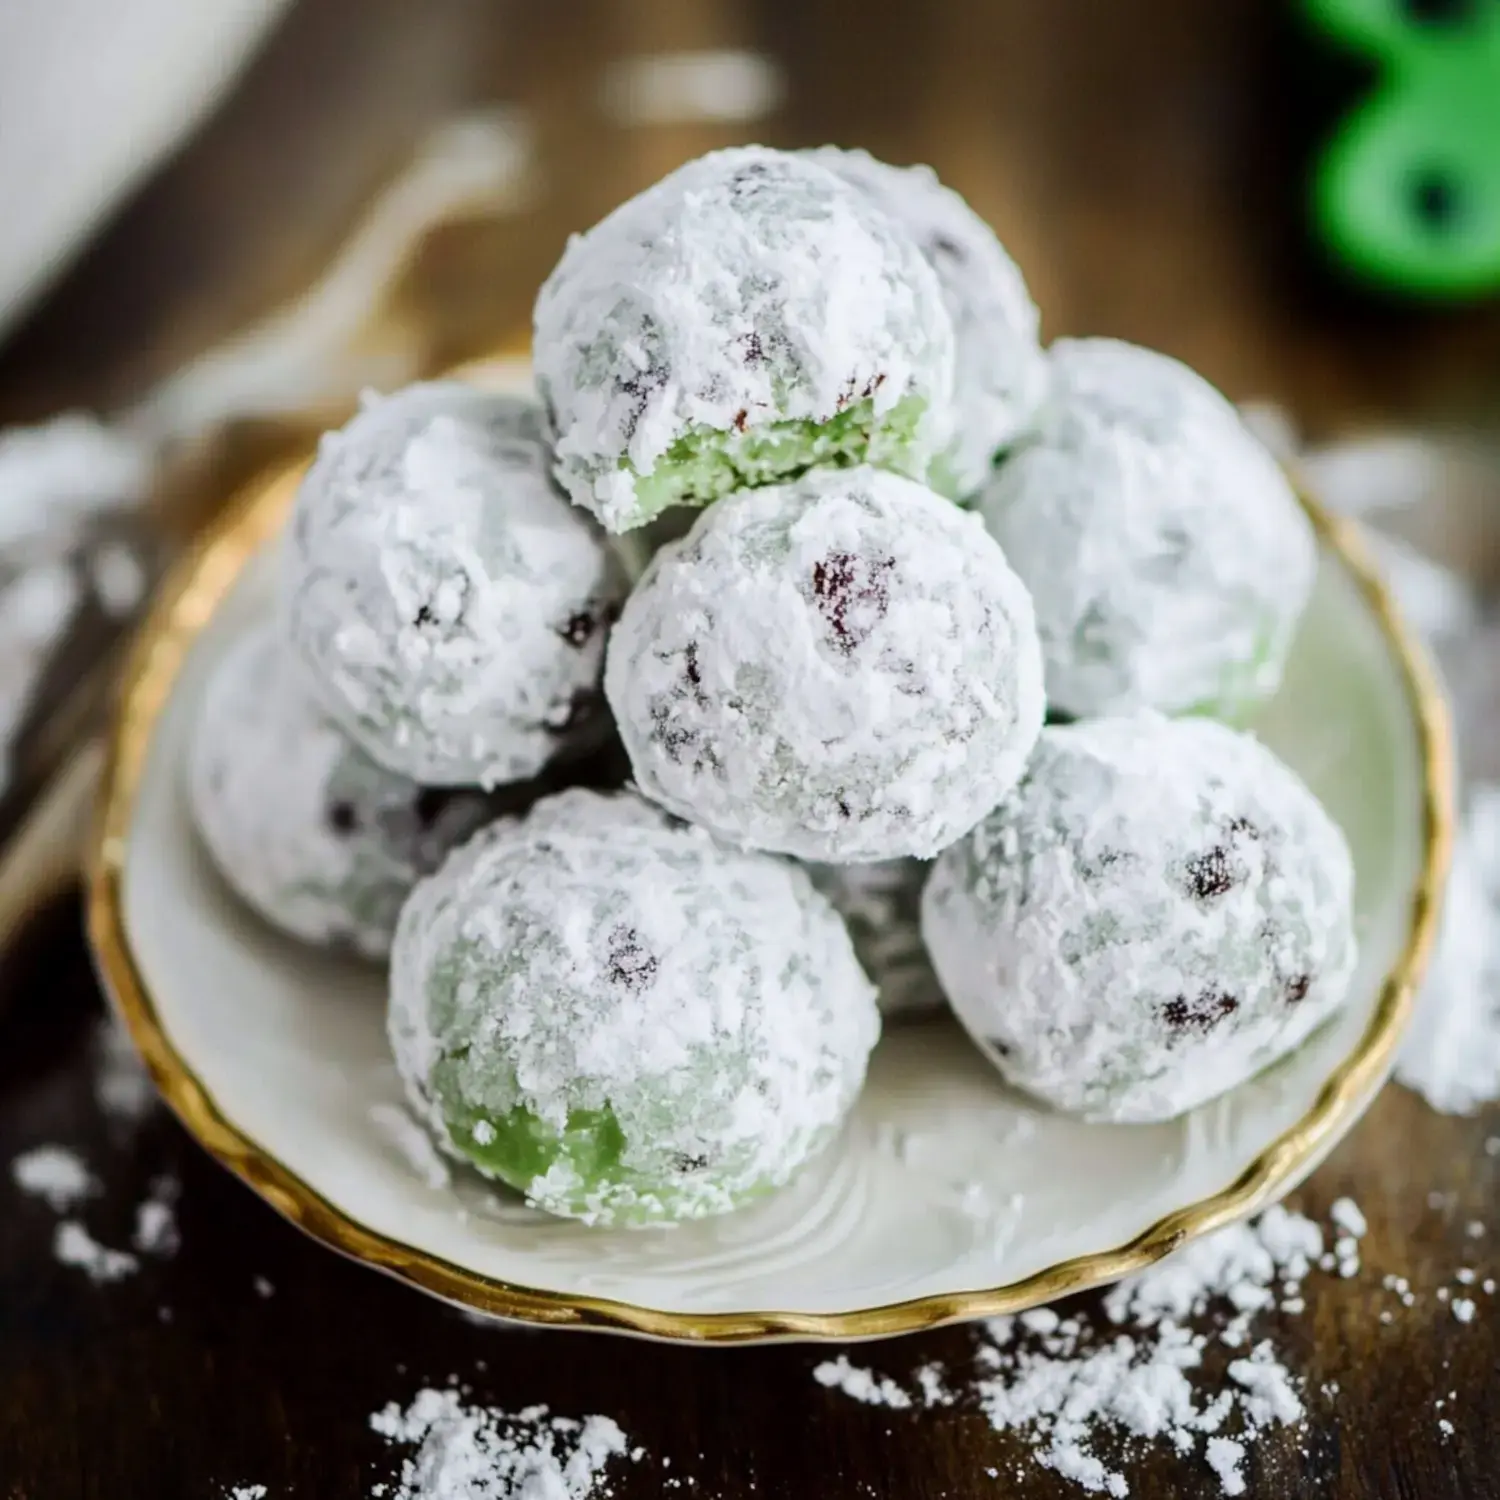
(706, 462)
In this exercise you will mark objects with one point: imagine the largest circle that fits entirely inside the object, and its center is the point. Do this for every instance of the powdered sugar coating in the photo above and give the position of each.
(1158, 911)
(1167, 555)
(881, 905)
(321, 841)
(624, 1019)
(748, 316)
(842, 668)
(1000, 371)
(450, 603)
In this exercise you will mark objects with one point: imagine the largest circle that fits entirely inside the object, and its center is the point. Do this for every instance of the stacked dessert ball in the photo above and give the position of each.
(916, 530)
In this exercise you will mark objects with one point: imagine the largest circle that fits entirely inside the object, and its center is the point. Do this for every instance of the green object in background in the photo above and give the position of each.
(1408, 191)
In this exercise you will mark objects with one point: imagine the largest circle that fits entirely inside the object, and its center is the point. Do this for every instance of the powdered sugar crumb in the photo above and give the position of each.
(156, 1230)
(73, 1245)
(469, 1452)
(1224, 1458)
(1346, 1215)
(122, 1086)
(1150, 1372)
(246, 1492)
(263, 1287)
(54, 1174)
(932, 1384)
(1451, 1055)
(860, 1384)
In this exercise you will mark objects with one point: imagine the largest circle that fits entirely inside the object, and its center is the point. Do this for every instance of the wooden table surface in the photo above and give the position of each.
(1136, 158)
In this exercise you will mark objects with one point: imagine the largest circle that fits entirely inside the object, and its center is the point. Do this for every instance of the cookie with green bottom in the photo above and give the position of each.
(622, 1019)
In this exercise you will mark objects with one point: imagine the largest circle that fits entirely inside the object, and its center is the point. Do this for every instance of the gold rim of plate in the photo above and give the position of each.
(186, 602)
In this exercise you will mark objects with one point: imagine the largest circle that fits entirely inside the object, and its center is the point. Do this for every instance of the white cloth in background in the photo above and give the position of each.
(93, 95)
(60, 480)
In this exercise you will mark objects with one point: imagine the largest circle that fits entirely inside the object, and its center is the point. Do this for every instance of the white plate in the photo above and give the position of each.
(946, 1197)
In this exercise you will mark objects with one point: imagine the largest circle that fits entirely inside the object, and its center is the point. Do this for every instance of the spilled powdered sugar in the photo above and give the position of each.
(1174, 1361)
(1451, 1055)
(73, 1245)
(472, 1452)
(860, 1385)
(156, 1231)
(122, 1087)
(61, 1179)
(58, 475)
(36, 608)
(56, 1175)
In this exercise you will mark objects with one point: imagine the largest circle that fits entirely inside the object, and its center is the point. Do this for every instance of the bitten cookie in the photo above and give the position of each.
(748, 317)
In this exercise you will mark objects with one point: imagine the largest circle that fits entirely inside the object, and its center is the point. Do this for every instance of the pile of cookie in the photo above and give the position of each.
(815, 645)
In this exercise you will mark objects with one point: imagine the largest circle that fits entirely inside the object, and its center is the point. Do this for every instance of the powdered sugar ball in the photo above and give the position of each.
(1000, 371)
(321, 841)
(747, 317)
(881, 905)
(1158, 911)
(450, 603)
(1167, 555)
(624, 1020)
(842, 668)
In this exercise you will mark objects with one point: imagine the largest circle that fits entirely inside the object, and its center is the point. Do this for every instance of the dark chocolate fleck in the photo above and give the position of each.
(343, 817)
(685, 1162)
(1297, 988)
(853, 595)
(1200, 1012)
(640, 387)
(1211, 874)
(629, 963)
